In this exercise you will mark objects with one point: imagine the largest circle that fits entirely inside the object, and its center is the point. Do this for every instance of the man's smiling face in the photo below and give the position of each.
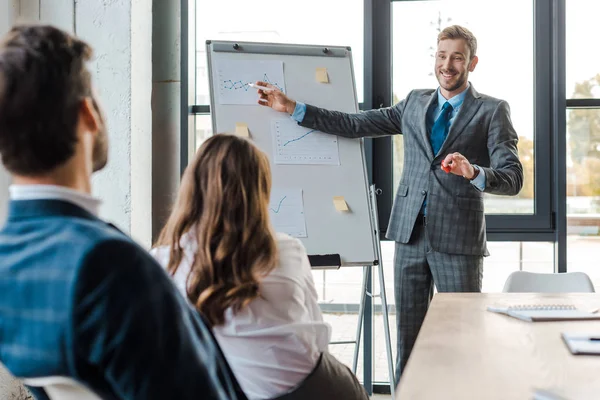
(452, 66)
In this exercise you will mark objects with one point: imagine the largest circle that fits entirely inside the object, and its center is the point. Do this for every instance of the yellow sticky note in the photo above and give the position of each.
(241, 129)
(339, 203)
(322, 76)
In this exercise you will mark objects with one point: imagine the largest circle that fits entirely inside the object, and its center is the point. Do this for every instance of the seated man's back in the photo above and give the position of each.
(80, 299)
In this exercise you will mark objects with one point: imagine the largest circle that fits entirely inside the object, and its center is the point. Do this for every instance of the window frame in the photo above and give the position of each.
(565, 104)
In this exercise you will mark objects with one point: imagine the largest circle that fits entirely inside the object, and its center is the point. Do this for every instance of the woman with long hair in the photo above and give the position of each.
(254, 286)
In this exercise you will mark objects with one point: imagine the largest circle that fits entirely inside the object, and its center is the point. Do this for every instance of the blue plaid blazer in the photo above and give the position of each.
(80, 299)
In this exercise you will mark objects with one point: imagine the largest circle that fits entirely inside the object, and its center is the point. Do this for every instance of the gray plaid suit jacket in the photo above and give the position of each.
(482, 131)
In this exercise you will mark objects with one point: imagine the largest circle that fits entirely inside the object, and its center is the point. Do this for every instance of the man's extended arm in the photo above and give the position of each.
(505, 174)
(131, 325)
(383, 121)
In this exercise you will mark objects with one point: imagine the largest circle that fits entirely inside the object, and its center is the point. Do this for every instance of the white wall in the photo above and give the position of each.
(120, 31)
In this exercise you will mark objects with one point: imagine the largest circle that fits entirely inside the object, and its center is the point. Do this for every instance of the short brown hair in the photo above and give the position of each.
(460, 32)
(43, 80)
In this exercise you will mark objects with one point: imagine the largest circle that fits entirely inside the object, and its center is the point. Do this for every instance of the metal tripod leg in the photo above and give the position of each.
(386, 327)
(361, 314)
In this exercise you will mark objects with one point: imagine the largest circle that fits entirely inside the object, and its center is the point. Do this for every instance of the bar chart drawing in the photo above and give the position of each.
(286, 209)
(294, 144)
(234, 77)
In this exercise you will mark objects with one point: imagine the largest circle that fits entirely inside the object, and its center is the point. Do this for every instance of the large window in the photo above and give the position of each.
(521, 49)
(394, 42)
(583, 139)
(505, 69)
(582, 59)
(271, 21)
(276, 21)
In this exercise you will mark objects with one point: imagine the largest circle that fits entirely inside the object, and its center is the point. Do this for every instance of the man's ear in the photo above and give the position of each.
(88, 115)
(473, 63)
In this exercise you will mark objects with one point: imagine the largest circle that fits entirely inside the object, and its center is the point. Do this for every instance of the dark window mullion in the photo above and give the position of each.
(583, 103)
(378, 62)
(199, 109)
(185, 80)
(559, 123)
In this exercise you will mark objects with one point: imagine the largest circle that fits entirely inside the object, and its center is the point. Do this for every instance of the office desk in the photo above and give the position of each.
(465, 352)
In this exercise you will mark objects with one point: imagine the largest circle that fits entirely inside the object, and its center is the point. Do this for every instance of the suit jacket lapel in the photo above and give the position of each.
(427, 102)
(466, 113)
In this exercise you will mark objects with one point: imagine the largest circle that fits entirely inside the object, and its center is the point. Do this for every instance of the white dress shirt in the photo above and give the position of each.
(54, 192)
(276, 341)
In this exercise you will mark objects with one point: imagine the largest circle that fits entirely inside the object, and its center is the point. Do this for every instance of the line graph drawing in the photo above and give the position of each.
(286, 210)
(276, 84)
(293, 144)
(278, 205)
(231, 85)
(241, 85)
(234, 77)
(300, 138)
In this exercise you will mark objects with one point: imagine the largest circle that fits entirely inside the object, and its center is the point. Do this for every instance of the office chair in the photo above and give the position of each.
(529, 282)
(62, 388)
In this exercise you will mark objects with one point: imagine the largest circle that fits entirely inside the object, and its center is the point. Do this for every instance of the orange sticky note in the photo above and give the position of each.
(340, 203)
(322, 76)
(241, 129)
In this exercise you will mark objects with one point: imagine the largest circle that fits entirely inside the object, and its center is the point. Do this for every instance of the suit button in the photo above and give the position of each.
(423, 192)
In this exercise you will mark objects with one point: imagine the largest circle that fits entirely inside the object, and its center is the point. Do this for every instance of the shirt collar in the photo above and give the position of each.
(455, 101)
(53, 192)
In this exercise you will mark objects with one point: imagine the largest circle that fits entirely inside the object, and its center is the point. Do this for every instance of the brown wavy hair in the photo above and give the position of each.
(224, 197)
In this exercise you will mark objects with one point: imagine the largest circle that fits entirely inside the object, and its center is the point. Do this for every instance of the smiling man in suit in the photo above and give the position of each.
(458, 144)
(78, 298)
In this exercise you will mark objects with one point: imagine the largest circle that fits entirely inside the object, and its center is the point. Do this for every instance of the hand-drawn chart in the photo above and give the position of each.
(287, 211)
(234, 77)
(293, 144)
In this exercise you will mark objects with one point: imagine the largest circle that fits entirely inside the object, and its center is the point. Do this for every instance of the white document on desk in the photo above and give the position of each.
(541, 313)
(553, 315)
(541, 394)
(582, 344)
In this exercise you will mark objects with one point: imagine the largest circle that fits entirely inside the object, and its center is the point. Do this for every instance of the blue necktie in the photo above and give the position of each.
(439, 131)
(440, 128)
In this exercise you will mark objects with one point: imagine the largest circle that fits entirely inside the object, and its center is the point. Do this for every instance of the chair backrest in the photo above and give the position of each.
(530, 282)
(62, 388)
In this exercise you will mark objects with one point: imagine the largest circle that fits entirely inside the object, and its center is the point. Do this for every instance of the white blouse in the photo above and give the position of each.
(276, 341)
